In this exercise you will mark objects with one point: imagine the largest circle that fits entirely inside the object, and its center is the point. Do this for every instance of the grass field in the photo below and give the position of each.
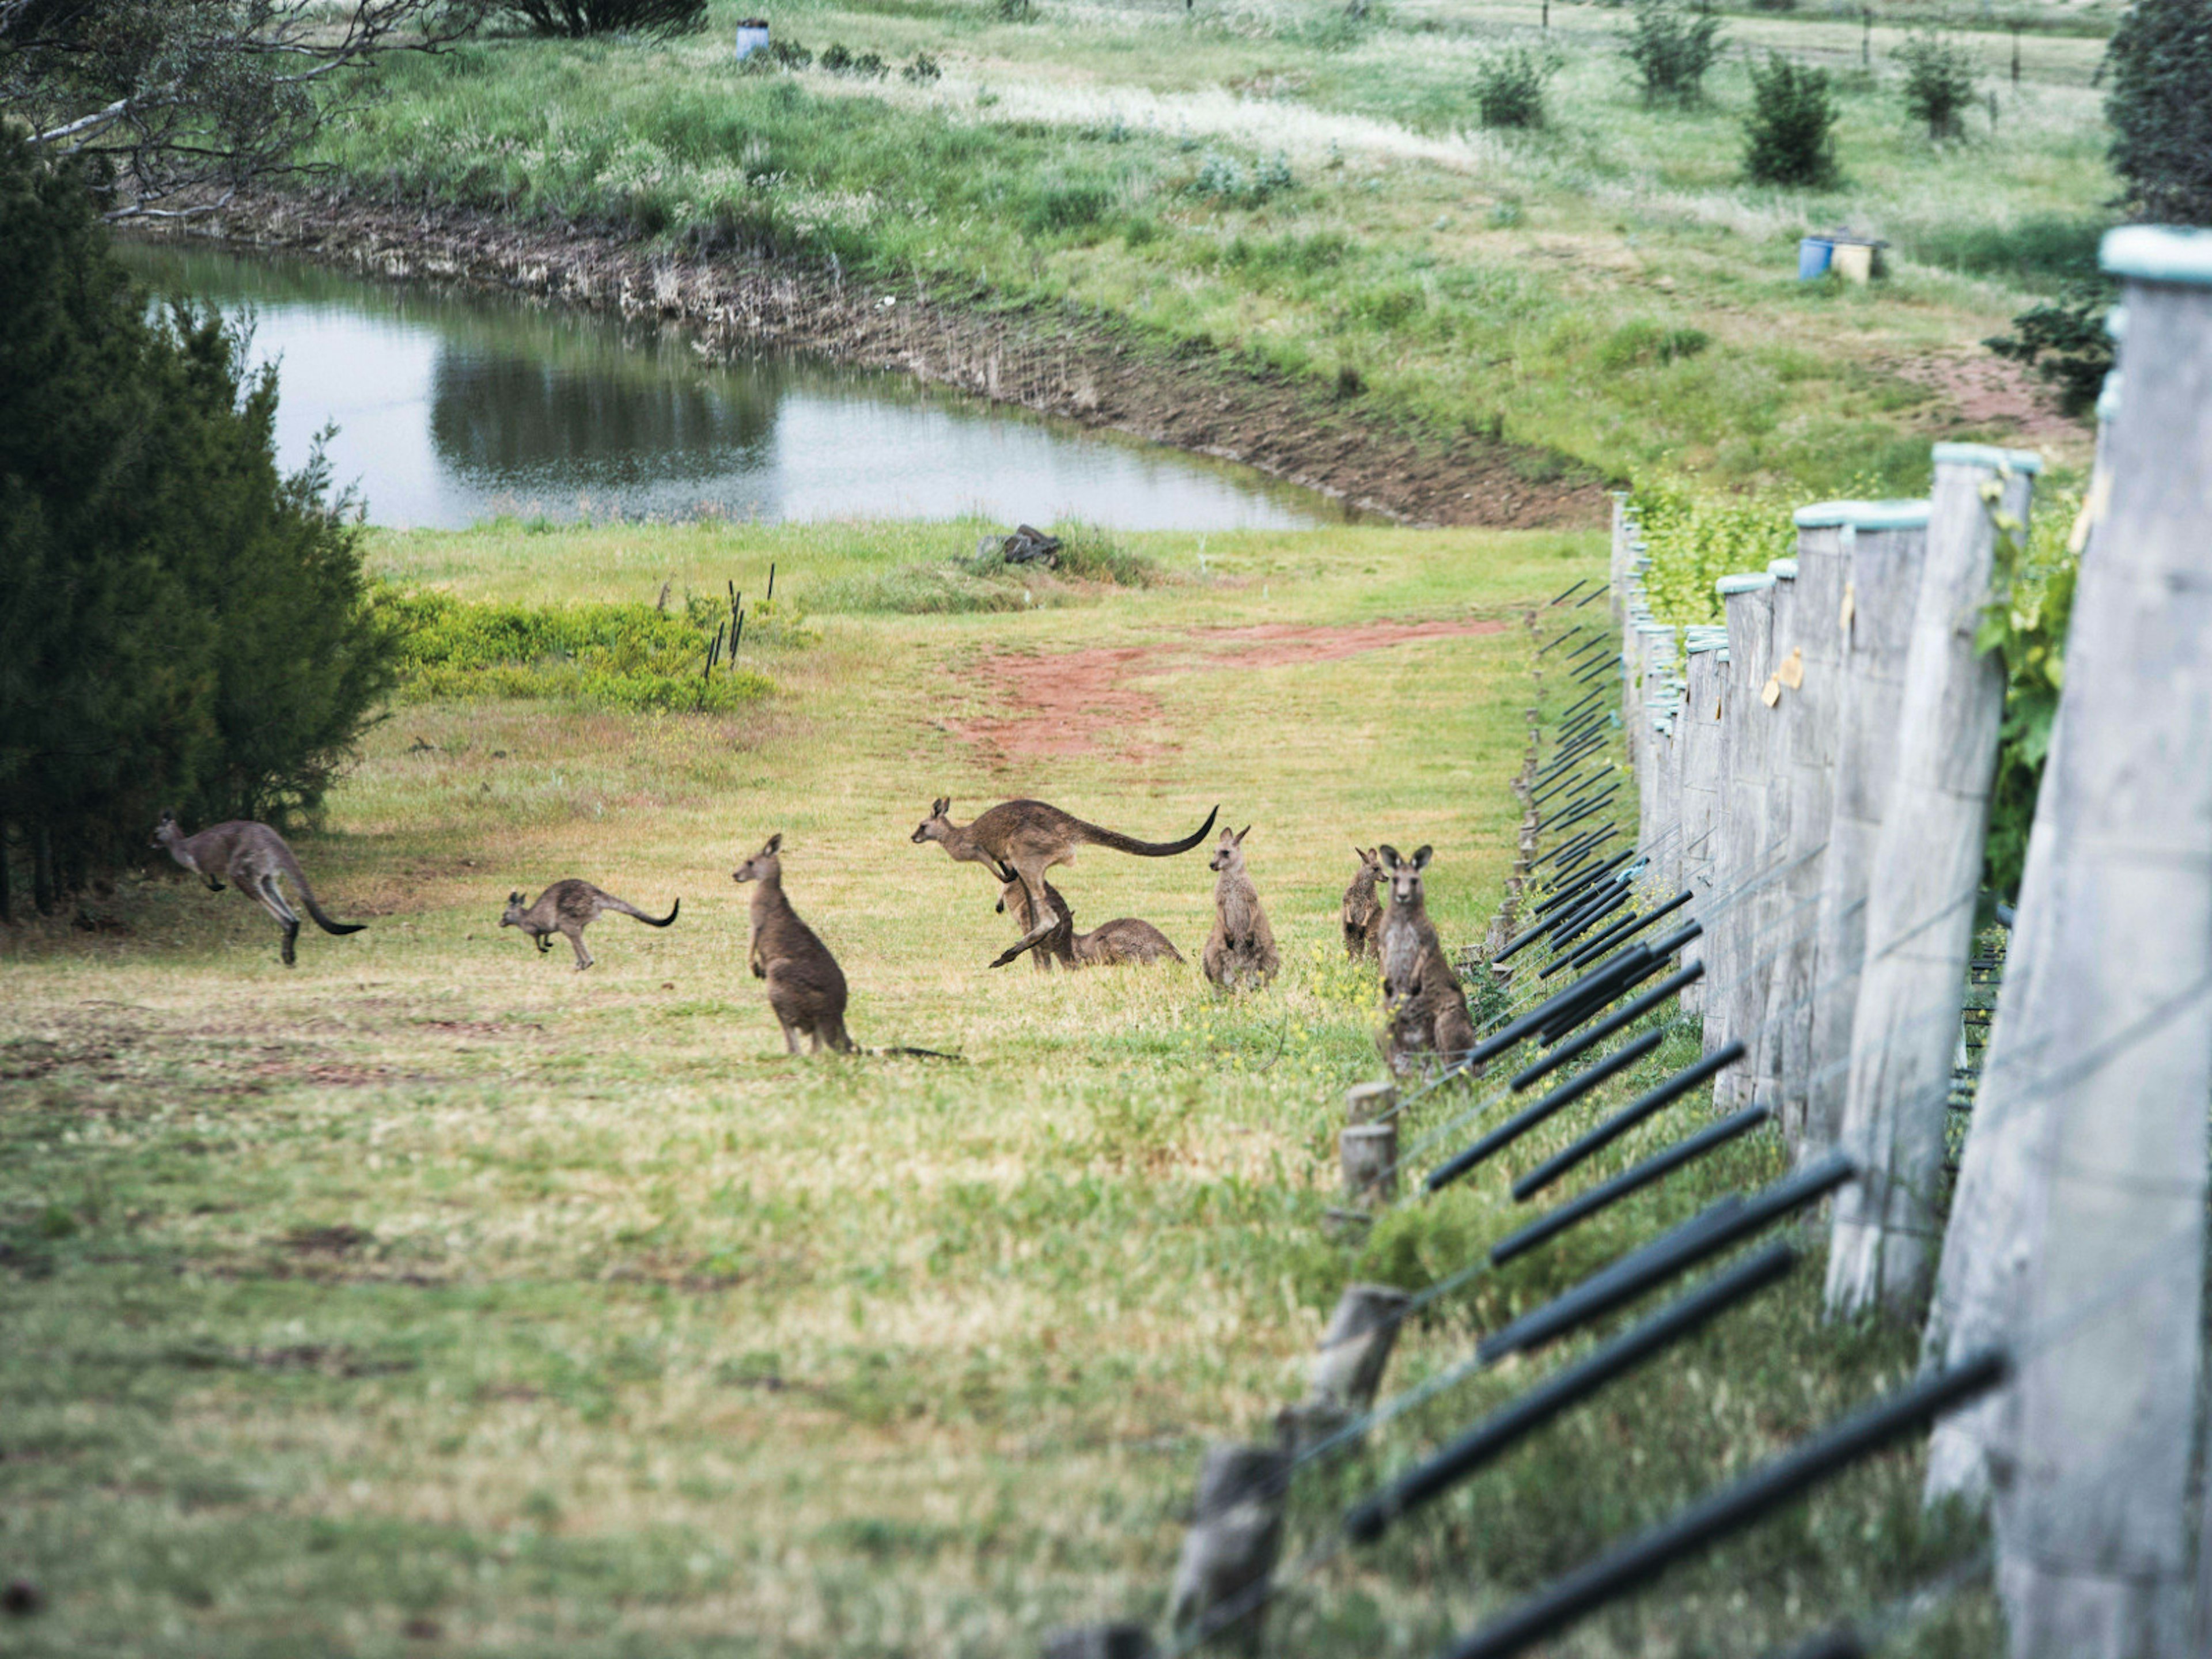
(434, 1297)
(1308, 193)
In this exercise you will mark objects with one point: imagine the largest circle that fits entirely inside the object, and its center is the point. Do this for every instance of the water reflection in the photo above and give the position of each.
(452, 407)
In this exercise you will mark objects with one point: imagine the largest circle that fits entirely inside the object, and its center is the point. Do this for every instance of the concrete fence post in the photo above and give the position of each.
(2089, 1141)
(1229, 1554)
(1766, 916)
(1810, 695)
(1369, 1155)
(1699, 725)
(1920, 903)
(1731, 1003)
(1882, 545)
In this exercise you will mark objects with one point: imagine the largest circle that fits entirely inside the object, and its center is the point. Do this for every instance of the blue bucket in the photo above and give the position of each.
(752, 37)
(1813, 255)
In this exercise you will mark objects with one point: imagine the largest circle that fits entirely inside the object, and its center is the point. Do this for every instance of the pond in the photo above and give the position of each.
(454, 407)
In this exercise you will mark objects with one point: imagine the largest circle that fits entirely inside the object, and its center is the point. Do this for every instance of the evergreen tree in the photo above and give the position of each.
(179, 625)
(2160, 107)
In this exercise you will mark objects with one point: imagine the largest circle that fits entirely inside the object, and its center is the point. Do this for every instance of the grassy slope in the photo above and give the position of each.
(433, 1287)
(1473, 279)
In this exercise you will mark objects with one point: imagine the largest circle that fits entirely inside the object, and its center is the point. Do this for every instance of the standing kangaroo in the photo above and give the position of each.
(805, 986)
(1242, 948)
(1427, 1007)
(1028, 837)
(568, 908)
(1362, 910)
(1122, 942)
(256, 859)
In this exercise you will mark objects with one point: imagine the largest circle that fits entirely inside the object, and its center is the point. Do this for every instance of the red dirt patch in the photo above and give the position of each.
(1082, 702)
(1997, 395)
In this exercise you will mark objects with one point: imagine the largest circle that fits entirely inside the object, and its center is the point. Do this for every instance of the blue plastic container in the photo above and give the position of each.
(752, 37)
(1815, 253)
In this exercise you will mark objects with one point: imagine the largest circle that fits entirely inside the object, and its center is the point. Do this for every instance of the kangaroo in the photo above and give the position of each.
(1427, 1009)
(569, 907)
(1363, 911)
(1124, 941)
(255, 857)
(1242, 948)
(1028, 837)
(805, 986)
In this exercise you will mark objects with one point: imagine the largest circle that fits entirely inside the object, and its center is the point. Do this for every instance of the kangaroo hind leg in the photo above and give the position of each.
(576, 937)
(1043, 918)
(272, 900)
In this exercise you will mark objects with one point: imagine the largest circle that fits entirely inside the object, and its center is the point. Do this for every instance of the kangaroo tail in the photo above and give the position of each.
(307, 898)
(1148, 849)
(629, 910)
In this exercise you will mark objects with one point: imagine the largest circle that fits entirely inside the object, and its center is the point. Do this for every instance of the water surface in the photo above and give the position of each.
(452, 407)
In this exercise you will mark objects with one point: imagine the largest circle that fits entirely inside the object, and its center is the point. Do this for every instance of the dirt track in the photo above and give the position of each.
(1052, 362)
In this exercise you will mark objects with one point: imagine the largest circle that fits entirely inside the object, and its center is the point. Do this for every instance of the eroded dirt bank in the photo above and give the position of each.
(1050, 361)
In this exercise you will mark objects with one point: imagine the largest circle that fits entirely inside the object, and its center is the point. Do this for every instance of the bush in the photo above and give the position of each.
(1018, 11)
(1695, 539)
(1635, 344)
(1225, 179)
(922, 71)
(1791, 129)
(1510, 84)
(2160, 107)
(1938, 81)
(867, 66)
(575, 19)
(1671, 47)
(2065, 342)
(620, 656)
(184, 625)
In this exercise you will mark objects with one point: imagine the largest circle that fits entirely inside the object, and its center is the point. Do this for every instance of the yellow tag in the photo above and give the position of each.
(2093, 508)
(1850, 608)
(1717, 707)
(1792, 672)
(1773, 694)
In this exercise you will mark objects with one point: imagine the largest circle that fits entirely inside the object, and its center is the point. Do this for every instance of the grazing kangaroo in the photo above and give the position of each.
(805, 986)
(1028, 837)
(1125, 941)
(1427, 1009)
(1362, 910)
(568, 908)
(256, 860)
(1242, 948)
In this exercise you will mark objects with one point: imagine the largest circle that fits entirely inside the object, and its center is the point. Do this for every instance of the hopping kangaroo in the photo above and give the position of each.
(1028, 837)
(1122, 942)
(256, 859)
(1362, 910)
(805, 986)
(1427, 1009)
(568, 908)
(1242, 948)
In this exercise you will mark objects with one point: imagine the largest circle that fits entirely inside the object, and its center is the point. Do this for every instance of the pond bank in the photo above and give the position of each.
(1053, 363)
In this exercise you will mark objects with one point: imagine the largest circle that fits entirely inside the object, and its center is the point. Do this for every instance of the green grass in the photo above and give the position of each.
(433, 1289)
(1310, 196)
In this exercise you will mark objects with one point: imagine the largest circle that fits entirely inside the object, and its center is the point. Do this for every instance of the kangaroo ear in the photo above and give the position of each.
(514, 897)
(1241, 834)
(1389, 856)
(940, 806)
(774, 841)
(1420, 858)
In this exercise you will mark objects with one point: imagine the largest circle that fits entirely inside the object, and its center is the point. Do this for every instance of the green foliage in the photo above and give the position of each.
(575, 19)
(1671, 47)
(1223, 178)
(1789, 132)
(922, 71)
(984, 581)
(619, 656)
(2160, 108)
(2065, 342)
(2024, 622)
(1510, 84)
(1939, 80)
(1641, 342)
(1694, 539)
(1018, 11)
(184, 626)
(839, 59)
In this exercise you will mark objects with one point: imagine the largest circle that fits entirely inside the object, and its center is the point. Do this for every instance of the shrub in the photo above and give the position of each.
(2025, 624)
(2160, 107)
(1018, 11)
(1510, 84)
(1225, 179)
(578, 18)
(836, 59)
(1645, 342)
(1790, 131)
(1938, 81)
(2065, 342)
(922, 71)
(1671, 47)
(1695, 539)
